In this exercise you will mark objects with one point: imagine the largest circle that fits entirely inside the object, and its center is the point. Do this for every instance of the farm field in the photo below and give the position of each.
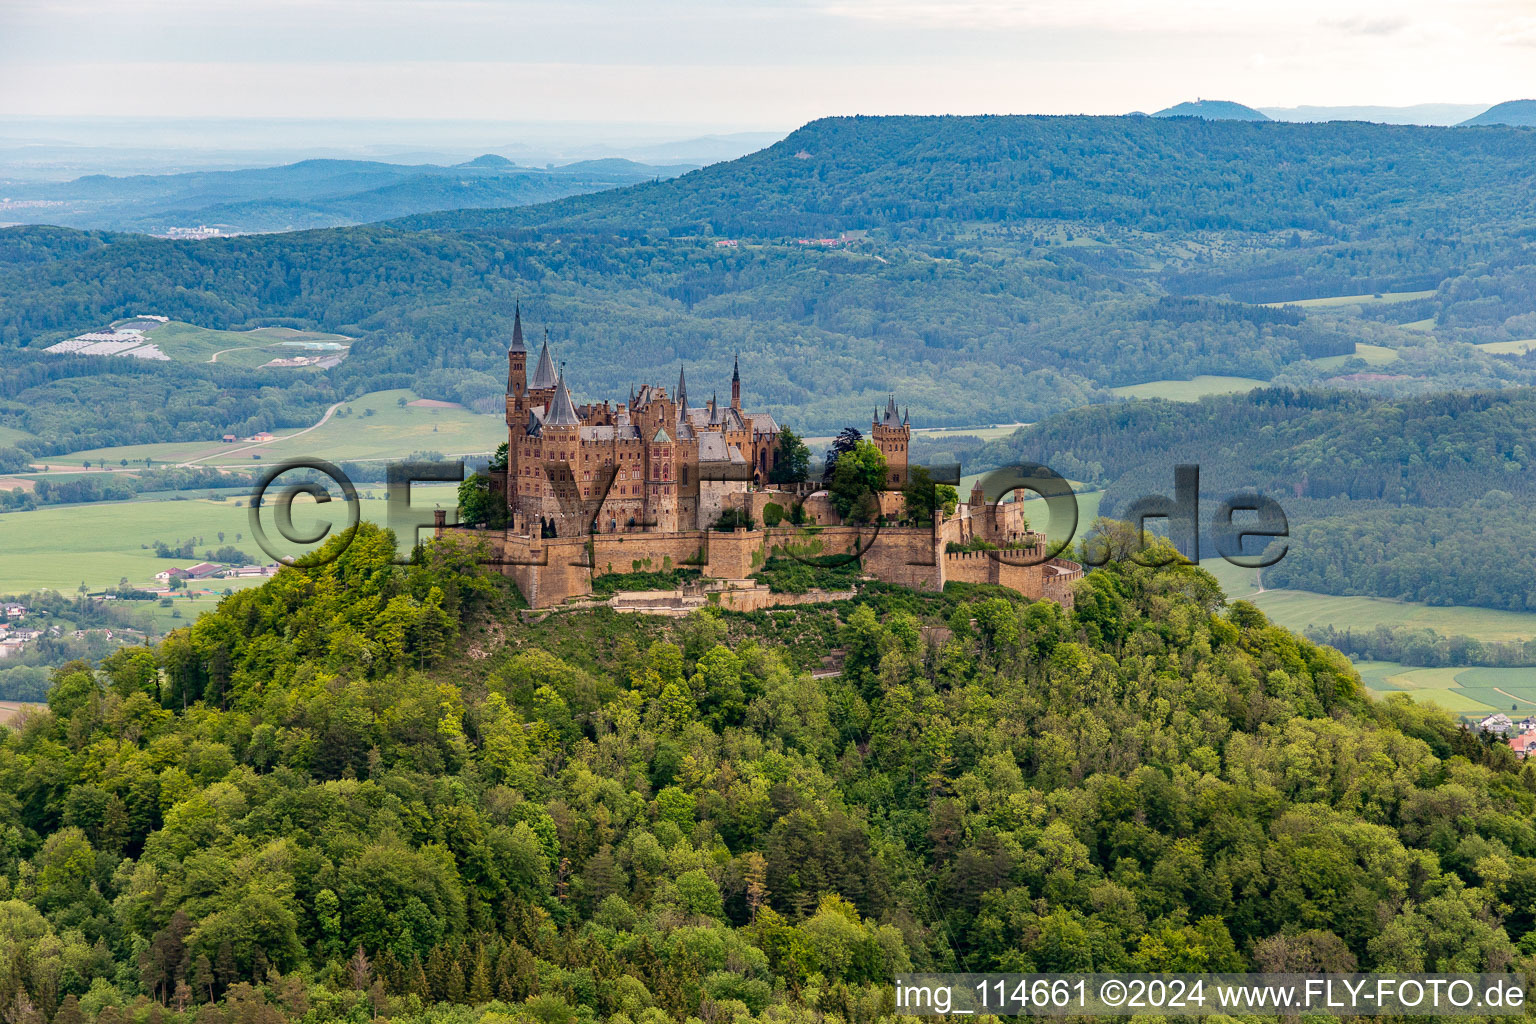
(1191, 390)
(1381, 298)
(189, 343)
(1298, 609)
(1509, 348)
(373, 426)
(1375, 355)
(1464, 691)
(61, 546)
(13, 437)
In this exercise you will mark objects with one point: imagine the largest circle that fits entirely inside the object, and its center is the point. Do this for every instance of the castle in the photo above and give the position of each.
(642, 485)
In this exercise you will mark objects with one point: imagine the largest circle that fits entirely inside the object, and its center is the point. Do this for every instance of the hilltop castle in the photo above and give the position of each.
(639, 485)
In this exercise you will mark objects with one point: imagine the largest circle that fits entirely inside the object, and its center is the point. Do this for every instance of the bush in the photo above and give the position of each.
(773, 514)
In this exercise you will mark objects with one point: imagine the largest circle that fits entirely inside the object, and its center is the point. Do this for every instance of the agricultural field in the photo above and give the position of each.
(1374, 355)
(189, 343)
(59, 547)
(1191, 390)
(1472, 692)
(1509, 348)
(374, 426)
(1333, 301)
(1298, 609)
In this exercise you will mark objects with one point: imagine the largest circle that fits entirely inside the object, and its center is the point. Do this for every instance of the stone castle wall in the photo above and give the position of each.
(551, 571)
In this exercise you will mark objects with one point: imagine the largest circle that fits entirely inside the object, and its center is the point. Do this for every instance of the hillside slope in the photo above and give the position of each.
(367, 789)
(989, 270)
(1519, 113)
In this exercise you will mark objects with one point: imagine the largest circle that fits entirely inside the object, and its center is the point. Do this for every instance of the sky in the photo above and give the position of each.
(739, 65)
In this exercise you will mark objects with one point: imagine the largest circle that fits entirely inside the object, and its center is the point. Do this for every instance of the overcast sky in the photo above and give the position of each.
(768, 64)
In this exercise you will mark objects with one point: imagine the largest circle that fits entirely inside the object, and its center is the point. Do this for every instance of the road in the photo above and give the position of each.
(263, 444)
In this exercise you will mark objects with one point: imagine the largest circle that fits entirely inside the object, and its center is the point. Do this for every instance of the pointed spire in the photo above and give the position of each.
(561, 412)
(682, 392)
(544, 375)
(736, 369)
(517, 330)
(906, 415)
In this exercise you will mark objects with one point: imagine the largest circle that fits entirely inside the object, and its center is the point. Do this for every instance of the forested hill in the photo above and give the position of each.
(1420, 499)
(1344, 180)
(370, 790)
(998, 270)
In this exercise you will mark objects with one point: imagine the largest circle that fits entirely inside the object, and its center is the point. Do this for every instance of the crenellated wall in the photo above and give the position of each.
(551, 571)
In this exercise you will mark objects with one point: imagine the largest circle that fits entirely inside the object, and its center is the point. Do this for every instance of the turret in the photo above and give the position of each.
(736, 383)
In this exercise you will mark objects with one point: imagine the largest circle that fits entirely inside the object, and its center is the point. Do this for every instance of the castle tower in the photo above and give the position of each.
(682, 396)
(660, 486)
(891, 433)
(561, 434)
(517, 368)
(736, 383)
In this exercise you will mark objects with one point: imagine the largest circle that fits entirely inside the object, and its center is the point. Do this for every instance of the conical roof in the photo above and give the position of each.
(544, 374)
(561, 412)
(517, 330)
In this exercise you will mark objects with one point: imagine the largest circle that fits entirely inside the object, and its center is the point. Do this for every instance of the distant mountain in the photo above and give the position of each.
(311, 193)
(488, 160)
(1442, 114)
(1519, 113)
(1213, 110)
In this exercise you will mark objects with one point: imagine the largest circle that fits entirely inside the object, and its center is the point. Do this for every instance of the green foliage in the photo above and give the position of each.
(1424, 647)
(921, 497)
(616, 818)
(733, 518)
(858, 476)
(792, 461)
(773, 514)
(611, 583)
(785, 575)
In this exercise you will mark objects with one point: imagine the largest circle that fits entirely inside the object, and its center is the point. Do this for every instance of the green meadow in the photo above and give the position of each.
(1509, 348)
(189, 343)
(59, 547)
(372, 427)
(1332, 301)
(1191, 390)
(1374, 355)
(1298, 609)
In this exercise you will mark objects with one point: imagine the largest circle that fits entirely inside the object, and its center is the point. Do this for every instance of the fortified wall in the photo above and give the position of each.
(553, 570)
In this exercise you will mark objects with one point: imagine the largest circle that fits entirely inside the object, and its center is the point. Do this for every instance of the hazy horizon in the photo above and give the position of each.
(777, 63)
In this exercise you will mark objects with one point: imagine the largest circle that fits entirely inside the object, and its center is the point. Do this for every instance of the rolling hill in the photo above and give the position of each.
(1213, 110)
(1518, 113)
(989, 269)
(309, 194)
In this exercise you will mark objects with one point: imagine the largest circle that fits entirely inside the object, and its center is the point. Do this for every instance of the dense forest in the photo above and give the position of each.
(370, 789)
(1060, 256)
(1422, 498)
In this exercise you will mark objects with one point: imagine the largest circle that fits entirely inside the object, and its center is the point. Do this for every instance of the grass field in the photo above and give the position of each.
(13, 437)
(1471, 692)
(374, 426)
(1356, 300)
(60, 546)
(1509, 348)
(189, 343)
(1298, 609)
(1188, 390)
(1375, 355)
(988, 432)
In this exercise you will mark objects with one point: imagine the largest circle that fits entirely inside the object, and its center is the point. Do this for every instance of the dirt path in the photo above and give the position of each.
(263, 444)
(243, 348)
